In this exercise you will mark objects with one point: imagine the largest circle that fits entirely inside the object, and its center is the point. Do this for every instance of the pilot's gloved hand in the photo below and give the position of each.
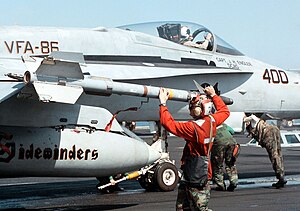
(163, 96)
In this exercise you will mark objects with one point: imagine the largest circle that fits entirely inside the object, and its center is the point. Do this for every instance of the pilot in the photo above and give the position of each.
(194, 188)
(205, 44)
(268, 136)
(186, 37)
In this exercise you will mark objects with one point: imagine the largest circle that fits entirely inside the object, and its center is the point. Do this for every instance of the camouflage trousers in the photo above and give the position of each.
(268, 136)
(191, 198)
(219, 154)
(271, 142)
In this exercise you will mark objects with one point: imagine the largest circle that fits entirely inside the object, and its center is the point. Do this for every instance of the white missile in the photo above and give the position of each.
(104, 86)
(51, 77)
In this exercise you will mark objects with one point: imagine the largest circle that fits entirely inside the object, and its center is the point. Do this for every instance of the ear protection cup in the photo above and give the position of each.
(197, 111)
(200, 107)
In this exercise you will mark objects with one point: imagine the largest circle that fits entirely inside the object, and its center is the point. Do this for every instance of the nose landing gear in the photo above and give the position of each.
(163, 177)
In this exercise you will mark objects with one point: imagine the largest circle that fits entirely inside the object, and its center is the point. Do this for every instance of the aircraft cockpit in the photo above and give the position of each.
(182, 34)
(185, 33)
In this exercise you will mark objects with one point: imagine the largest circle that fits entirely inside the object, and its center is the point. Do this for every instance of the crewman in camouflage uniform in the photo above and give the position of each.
(225, 148)
(268, 136)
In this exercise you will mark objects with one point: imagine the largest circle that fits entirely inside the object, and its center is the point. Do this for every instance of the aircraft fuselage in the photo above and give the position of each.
(135, 57)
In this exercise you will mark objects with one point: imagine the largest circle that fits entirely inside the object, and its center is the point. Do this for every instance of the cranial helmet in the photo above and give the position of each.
(185, 32)
(208, 36)
(201, 105)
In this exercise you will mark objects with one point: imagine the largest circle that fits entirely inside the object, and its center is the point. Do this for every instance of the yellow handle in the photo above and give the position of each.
(133, 175)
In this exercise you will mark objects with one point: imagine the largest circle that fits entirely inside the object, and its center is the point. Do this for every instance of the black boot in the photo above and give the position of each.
(220, 187)
(231, 187)
(279, 184)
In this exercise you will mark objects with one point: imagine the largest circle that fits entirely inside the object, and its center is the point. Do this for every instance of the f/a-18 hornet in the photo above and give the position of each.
(59, 86)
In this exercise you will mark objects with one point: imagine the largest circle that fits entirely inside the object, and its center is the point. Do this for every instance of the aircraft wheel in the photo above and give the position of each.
(166, 176)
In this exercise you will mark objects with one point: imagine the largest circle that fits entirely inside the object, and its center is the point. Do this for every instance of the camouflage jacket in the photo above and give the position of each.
(262, 131)
(224, 136)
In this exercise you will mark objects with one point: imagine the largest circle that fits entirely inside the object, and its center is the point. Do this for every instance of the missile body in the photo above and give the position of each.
(68, 75)
(105, 86)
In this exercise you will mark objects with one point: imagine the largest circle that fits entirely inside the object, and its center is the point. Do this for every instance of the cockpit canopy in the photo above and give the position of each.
(185, 33)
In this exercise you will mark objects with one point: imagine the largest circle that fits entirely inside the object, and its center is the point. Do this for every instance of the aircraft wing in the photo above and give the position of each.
(60, 71)
(51, 78)
(8, 86)
(11, 75)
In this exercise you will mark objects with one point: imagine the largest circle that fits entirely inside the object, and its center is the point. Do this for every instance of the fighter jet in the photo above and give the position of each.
(60, 86)
(155, 54)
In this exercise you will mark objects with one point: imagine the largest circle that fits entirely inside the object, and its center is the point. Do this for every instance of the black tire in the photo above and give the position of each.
(166, 176)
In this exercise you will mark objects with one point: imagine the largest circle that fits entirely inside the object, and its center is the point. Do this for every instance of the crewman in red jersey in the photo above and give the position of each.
(194, 189)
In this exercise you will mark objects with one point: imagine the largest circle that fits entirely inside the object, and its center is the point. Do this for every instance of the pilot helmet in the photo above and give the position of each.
(201, 105)
(208, 36)
(185, 32)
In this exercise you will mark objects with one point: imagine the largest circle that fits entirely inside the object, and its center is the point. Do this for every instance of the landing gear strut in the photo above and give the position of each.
(164, 175)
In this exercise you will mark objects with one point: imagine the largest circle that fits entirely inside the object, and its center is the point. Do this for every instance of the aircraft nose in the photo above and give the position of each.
(154, 155)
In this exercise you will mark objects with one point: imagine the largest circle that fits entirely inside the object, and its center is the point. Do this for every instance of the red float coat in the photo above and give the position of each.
(196, 133)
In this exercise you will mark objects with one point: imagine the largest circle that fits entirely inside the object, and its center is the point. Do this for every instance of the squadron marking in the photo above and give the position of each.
(26, 47)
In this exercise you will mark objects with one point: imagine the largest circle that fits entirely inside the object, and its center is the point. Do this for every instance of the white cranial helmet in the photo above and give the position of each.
(208, 36)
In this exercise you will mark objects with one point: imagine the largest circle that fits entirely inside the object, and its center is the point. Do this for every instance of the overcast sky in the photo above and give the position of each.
(267, 30)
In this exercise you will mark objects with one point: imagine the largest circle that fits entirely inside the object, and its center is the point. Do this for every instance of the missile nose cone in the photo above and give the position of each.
(154, 155)
(227, 100)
